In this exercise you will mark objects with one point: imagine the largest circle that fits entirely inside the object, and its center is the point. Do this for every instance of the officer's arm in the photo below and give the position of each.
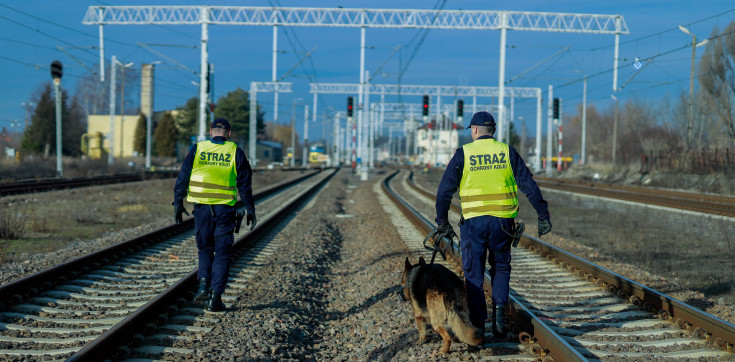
(448, 186)
(245, 181)
(182, 182)
(527, 185)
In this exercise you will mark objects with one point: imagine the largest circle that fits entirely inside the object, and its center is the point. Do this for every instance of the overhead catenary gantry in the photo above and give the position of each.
(438, 91)
(358, 18)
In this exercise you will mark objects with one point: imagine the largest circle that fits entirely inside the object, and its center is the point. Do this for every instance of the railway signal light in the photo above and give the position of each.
(460, 108)
(425, 109)
(350, 102)
(556, 108)
(57, 70)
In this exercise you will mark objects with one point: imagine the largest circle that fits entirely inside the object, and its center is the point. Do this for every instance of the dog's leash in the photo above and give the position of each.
(436, 236)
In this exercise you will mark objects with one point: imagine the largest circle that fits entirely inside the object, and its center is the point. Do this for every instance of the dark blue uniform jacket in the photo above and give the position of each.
(453, 175)
(244, 176)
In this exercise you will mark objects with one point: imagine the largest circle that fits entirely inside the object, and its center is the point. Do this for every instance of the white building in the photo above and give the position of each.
(436, 147)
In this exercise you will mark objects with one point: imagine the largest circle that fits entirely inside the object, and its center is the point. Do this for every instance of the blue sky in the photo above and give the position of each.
(446, 57)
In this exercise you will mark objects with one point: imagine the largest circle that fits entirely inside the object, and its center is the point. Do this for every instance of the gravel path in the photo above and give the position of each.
(331, 291)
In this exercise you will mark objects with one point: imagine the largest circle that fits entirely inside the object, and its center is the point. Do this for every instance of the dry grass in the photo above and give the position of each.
(51, 220)
(36, 167)
(57, 217)
(12, 224)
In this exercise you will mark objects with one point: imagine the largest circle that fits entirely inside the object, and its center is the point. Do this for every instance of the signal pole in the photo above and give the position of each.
(305, 151)
(57, 71)
(557, 110)
(549, 131)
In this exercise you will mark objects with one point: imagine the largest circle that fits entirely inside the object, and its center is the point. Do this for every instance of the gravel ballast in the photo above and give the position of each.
(331, 291)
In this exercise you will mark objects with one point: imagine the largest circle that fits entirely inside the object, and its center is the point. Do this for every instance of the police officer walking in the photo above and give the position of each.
(210, 177)
(488, 175)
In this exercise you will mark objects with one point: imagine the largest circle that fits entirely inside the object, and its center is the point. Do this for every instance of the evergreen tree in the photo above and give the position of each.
(235, 107)
(514, 139)
(186, 120)
(165, 136)
(42, 130)
(139, 137)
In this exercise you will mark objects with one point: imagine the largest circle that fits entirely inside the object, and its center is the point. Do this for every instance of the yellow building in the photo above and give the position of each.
(123, 133)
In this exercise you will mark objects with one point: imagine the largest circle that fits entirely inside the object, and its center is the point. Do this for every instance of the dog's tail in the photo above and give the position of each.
(459, 321)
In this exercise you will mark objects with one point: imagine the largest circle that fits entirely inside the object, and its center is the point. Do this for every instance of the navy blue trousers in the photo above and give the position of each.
(481, 238)
(214, 226)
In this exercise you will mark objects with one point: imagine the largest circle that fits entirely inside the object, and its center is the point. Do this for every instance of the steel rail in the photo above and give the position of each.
(704, 325)
(711, 204)
(551, 344)
(641, 189)
(158, 309)
(31, 285)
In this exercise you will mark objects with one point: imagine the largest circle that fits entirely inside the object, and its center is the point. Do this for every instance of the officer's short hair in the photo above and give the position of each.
(485, 129)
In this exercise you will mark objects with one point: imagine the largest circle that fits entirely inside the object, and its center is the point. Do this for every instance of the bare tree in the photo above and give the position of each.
(717, 78)
(94, 96)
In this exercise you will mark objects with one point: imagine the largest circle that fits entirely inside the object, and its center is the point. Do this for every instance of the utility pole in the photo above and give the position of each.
(549, 131)
(583, 160)
(292, 161)
(690, 111)
(111, 134)
(122, 110)
(615, 129)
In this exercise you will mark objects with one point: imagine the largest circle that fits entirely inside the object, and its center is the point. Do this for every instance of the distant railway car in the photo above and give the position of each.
(565, 161)
(317, 156)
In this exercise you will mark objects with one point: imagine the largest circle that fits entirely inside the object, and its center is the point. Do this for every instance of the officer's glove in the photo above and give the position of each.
(251, 221)
(544, 226)
(178, 210)
(445, 228)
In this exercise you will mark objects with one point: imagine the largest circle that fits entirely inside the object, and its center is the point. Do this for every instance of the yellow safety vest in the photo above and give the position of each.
(488, 186)
(213, 179)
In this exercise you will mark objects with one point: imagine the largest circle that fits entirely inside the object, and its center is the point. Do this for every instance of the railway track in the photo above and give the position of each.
(58, 184)
(24, 187)
(567, 309)
(103, 299)
(699, 202)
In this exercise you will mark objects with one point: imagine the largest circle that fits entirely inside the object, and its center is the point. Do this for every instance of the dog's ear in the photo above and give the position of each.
(422, 261)
(408, 264)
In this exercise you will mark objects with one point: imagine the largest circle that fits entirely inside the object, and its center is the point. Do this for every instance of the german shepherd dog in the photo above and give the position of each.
(438, 297)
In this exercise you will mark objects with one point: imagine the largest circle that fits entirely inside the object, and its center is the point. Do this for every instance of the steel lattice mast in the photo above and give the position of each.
(359, 18)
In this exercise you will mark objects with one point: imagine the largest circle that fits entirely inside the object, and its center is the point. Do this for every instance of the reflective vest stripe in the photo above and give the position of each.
(212, 186)
(489, 197)
(209, 195)
(485, 208)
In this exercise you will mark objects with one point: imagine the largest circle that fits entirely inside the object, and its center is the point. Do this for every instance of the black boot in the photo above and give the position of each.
(499, 329)
(203, 292)
(215, 304)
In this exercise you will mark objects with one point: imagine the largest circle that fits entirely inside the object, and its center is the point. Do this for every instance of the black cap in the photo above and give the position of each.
(482, 119)
(221, 123)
